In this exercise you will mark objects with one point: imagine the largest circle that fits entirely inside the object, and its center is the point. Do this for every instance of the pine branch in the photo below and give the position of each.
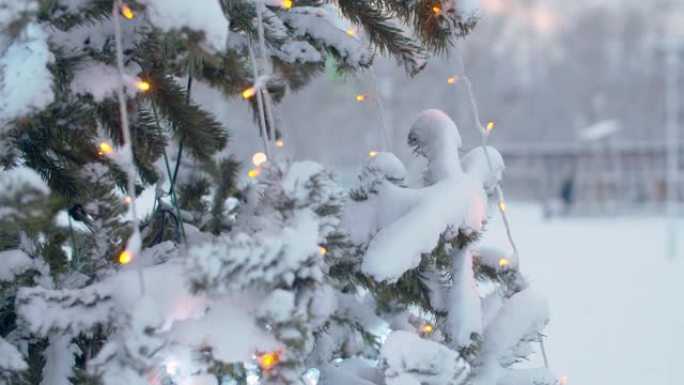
(383, 33)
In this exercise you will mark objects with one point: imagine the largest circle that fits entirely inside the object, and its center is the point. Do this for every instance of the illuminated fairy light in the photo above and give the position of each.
(428, 329)
(253, 173)
(452, 80)
(171, 368)
(322, 250)
(259, 158)
(563, 380)
(437, 9)
(127, 12)
(143, 86)
(248, 93)
(502, 206)
(128, 200)
(280, 143)
(503, 262)
(361, 98)
(490, 126)
(350, 32)
(287, 4)
(105, 148)
(268, 361)
(125, 257)
(372, 153)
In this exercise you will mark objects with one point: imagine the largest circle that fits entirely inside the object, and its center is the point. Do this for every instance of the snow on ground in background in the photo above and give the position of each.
(616, 300)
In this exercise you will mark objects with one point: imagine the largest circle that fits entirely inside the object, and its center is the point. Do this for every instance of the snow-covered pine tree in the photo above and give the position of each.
(285, 280)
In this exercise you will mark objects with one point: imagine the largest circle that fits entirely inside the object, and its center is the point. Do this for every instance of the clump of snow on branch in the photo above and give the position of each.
(406, 355)
(452, 199)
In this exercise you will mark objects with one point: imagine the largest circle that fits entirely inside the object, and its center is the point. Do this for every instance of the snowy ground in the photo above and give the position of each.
(616, 299)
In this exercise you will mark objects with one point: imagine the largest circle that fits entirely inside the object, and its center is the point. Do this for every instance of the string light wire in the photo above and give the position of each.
(484, 132)
(127, 150)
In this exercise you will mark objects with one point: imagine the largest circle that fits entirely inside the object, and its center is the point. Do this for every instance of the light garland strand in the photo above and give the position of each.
(266, 69)
(499, 191)
(260, 102)
(133, 245)
(386, 133)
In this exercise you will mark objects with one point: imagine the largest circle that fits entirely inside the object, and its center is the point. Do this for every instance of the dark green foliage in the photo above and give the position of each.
(384, 34)
(225, 180)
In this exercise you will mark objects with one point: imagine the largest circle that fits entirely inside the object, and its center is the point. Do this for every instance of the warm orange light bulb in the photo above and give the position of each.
(249, 92)
(427, 329)
(268, 361)
(253, 173)
(490, 126)
(259, 158)
(361, 98)
(372, 153)
(322, 250)
(351, 32)
(503, 262)
(502, 206)
(436, 9)
(125, 257)
(127, 200)
(143, 86)
(127, 12)
(280, 143)
(105, 148)
(452, 79)
(287, 4)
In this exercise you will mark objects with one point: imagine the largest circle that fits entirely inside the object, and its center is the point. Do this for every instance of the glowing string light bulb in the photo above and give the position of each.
(372, 153)
(428, 329)
(127, 12)
(248, 93)
(490, 127)
(128, 200)
(503, 262)
(268, 361)
(361, 98)
(259, 158)
(563, 380)
(350, 32)
(125, 257)
(280, 143)
(143, 86)
(253, 173)
(437, 9)
(287, 4)
(105, 148)
(502, 206)
(322, 250)
(171, 368)
(452, 80)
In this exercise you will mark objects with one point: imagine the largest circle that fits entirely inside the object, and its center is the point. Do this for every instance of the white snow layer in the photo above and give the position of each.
(59, 360)
(409, 222)
(427, 362)
(25, 81)
(97, 79)
(13, 263)
(10, 358)
(198, 15)
(324, 26)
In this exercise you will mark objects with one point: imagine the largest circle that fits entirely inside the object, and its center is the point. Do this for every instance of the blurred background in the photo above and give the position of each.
(577, 90)
(584, 95)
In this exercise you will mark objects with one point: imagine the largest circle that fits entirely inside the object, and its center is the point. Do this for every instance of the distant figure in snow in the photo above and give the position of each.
(567, 193)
